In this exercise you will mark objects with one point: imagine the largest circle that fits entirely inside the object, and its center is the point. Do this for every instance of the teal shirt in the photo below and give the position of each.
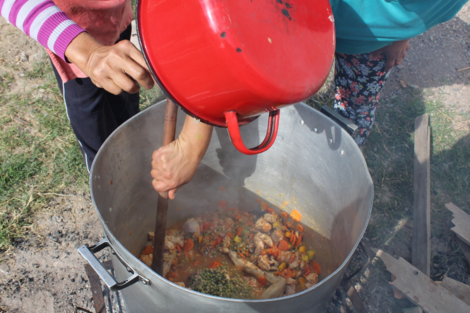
(363, 26)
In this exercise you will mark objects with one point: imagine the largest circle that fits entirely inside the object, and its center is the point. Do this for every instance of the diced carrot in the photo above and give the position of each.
(270, 210)
(283, 245)
(284, 215)
(292, 238)
(178, 248)
(287, 273)
(222, 204)
(188, 244)
(263, 252)
(316, 267)
(296, 215)
(264, 206)
(239, 231)
(298, 240)
(292, 258)
(241, 254)
(196, 263)
(214, 265)
(262, 281)
(214, 243)
(300, 228)
(230, 235)
(219, 240)
(270, 251)
(148, 250)
(251, 236)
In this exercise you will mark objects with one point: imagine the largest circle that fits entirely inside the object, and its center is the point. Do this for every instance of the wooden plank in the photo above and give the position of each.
(465, 250)
(353, 296)
(421, 241)
(461, 221)
(98, 299)
(419, 288)
(460, 290)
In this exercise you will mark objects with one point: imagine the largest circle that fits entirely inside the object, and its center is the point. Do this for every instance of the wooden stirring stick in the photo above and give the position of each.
(169, 129)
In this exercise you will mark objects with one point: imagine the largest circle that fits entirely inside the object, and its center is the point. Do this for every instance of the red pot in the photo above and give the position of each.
(227, 61)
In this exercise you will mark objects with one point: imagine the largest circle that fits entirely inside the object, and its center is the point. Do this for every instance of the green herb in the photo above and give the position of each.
(217, 282)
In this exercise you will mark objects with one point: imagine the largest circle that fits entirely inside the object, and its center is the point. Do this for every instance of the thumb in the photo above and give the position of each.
(171, 194)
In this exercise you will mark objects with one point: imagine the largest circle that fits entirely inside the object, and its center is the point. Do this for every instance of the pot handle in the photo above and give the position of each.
(89, 254)
(234, 132)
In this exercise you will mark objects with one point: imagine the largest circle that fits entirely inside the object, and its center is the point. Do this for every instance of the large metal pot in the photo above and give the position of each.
(314, 167)
(226, 62)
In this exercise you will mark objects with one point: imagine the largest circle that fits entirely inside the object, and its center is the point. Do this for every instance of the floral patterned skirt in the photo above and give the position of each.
(358, 82)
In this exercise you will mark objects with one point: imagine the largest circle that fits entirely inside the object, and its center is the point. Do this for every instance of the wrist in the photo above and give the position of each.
(80, 49)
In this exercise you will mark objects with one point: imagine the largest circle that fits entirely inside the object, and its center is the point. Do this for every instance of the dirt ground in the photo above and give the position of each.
(45, 273)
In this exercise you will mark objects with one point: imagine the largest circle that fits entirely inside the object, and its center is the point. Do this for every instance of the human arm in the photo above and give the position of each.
(175, 164)
(395, 53)
(115, 68)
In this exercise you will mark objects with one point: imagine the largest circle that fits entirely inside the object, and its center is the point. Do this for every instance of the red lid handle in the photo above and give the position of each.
(234, 131)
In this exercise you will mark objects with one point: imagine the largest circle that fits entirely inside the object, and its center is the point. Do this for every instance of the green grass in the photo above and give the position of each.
(37, 159)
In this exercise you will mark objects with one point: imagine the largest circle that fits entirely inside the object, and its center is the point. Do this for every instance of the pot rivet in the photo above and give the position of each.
(342, 152)
(330, 141)
(315, 130)
(113, 252)
(301, 122)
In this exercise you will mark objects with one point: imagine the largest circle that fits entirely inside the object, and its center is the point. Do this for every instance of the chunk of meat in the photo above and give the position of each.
(277, 236)
(172, 240)
(168, 258)
(192, 226)
(284, 256)
(290, 290)
(225, 244)
(267, 264)
(270, 218)
(312, 278)
(260, 240)
(263, 225)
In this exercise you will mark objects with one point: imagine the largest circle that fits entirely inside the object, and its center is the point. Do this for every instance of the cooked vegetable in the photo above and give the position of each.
(283, 245)
(217, 282)
(238, 254)
(188, 245)
(296, 215)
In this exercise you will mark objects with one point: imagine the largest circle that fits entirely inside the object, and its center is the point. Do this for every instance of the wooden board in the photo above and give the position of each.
(419, 288)
(460, 290)
(465, 250)
(94, 279)
(421, 241)
(461, 221)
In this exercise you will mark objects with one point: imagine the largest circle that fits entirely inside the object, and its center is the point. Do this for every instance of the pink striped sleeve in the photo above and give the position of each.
(43, 21)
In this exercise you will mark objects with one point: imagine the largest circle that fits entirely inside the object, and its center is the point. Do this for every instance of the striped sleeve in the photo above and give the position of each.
(43, 21)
